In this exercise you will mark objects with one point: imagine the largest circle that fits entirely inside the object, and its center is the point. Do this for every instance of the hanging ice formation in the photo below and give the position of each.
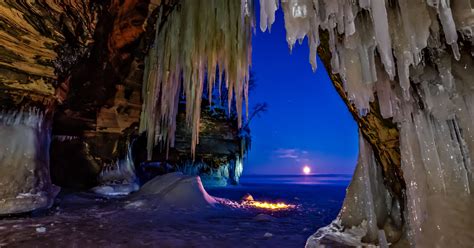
(416, 56)
(198, 38)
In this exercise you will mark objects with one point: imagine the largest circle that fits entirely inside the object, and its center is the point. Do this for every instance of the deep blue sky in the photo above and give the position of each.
(307, 122)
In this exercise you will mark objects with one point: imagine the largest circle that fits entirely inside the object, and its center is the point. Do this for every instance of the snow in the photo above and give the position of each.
(268, 235)
(334, 234)
(175, 190)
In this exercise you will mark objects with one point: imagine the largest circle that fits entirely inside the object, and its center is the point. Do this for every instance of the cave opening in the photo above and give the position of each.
(306, 126)
(107, 100)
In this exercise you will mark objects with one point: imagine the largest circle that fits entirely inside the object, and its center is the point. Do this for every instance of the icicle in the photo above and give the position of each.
(297, 19)
(267, 14)
(196, 38)
(447, 21)
(385, 94)
(384, 43)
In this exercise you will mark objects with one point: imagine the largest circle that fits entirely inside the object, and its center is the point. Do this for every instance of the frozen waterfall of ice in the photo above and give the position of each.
(119, 178)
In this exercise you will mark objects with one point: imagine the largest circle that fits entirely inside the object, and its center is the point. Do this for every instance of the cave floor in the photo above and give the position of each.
(86, 220)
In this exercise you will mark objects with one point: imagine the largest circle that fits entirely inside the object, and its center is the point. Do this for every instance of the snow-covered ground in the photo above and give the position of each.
(175, 211)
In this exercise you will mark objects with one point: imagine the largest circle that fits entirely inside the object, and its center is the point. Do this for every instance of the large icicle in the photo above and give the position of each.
(267, 13)
(197, 37)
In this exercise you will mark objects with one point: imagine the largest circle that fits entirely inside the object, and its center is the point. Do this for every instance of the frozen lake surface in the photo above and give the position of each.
(87, 220)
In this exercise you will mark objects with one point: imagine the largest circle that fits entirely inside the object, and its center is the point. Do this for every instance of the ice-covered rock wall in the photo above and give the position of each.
(215, 177)
(370, 214)
(25, 184)
(415, 59)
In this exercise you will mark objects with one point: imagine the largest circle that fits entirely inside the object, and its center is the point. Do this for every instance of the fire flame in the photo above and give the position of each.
(268, 205)
(272, 206)
(249, 201)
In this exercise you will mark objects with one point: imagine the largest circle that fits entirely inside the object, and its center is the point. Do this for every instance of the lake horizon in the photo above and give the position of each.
(312, 179)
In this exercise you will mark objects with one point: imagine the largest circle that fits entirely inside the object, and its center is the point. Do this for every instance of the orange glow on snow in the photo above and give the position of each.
(306, 170)
(268, 205)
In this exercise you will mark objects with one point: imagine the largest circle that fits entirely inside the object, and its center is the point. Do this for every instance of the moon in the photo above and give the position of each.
(306, 170)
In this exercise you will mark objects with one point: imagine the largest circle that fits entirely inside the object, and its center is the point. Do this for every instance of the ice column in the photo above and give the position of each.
(25, 183)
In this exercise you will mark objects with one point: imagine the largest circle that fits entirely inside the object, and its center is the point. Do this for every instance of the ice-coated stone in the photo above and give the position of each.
(367, 199)
(25, 183)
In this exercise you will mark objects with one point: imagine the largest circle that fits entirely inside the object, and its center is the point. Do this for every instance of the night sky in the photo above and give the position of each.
(306, 123)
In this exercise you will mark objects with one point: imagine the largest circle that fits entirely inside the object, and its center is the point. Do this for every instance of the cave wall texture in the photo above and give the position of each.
(31, 36)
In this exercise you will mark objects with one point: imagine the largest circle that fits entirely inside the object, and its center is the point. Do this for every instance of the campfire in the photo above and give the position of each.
(249, 201)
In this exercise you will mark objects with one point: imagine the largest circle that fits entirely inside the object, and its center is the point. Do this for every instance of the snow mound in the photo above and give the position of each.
(115, 189)
(334, 235)
(175, 190)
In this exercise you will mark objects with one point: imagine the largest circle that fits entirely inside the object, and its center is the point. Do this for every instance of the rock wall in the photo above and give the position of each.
(33, 36)
(216, 155)
(103, 102)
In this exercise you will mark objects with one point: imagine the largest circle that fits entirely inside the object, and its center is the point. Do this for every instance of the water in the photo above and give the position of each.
(318, 197)
(314, 179)
(323, 192)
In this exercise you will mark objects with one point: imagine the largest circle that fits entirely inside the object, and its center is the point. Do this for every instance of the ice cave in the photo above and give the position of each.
(119, 114)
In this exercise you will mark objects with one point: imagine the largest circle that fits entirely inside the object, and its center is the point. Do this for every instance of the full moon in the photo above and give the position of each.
(306, 170)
